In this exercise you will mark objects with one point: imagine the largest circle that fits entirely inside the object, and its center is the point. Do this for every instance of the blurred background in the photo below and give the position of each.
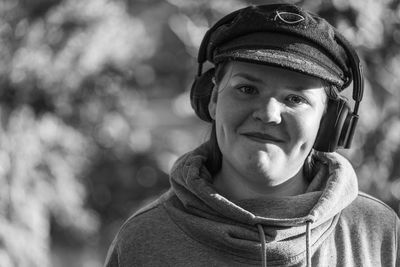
(94, 110)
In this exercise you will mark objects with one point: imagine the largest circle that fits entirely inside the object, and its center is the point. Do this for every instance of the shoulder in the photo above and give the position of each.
(372, 228)
(150, 217)
(143, 227)
(370, 212)
(369, 204)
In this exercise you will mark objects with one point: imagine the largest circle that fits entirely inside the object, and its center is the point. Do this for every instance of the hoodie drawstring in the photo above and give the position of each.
(264, 248)
(308, 247)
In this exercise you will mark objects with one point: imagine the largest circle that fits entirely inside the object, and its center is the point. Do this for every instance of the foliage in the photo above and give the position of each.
(94, 110)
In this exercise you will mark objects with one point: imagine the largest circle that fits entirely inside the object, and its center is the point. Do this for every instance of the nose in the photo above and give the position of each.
(269, 111)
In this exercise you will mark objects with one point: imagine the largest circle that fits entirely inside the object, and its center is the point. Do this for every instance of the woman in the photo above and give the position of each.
(267, 188)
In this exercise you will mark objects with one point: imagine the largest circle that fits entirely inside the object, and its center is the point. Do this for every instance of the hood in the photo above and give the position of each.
(285, 228)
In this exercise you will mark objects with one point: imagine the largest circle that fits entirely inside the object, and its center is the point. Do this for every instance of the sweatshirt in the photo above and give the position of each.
(331, 224)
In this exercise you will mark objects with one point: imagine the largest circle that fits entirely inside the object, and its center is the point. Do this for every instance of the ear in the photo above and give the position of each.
(212, 105)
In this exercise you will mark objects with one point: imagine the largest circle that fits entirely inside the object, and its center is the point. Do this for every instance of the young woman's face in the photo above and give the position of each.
(267, 119)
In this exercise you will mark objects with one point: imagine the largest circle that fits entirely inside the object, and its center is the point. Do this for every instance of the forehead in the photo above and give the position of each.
(269, 75)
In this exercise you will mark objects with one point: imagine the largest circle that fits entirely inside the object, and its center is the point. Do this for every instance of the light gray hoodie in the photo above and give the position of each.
(332, 224)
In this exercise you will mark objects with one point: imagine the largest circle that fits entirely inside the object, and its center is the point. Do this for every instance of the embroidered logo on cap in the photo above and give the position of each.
(288, 17)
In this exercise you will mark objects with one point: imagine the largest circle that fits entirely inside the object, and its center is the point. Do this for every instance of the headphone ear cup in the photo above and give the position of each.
(334, 126)
(200, 94)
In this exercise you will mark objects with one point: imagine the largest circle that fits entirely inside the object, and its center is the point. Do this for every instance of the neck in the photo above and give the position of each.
(235, 187)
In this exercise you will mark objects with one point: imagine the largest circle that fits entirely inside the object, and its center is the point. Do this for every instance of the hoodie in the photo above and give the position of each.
(331, 224)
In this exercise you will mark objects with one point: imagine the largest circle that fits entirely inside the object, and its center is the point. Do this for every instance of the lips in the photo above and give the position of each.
(262, 137)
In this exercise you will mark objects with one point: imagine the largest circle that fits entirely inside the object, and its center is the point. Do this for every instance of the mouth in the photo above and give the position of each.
(262, 137)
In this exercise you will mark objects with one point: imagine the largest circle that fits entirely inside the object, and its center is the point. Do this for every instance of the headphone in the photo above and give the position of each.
(338, 124)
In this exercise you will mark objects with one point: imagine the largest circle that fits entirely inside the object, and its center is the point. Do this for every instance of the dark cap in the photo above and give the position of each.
(282, 35)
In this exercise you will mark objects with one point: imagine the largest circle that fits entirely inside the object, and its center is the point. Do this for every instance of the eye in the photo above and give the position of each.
(248, 90)
(296, 100)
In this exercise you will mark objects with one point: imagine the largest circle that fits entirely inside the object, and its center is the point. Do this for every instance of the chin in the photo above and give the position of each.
(270, 165)
(261, 165)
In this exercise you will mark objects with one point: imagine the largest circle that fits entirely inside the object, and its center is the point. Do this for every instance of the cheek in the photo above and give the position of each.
(229, 116)
(304, 127)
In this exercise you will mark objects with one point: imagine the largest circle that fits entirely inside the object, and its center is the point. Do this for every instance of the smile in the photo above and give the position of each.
(262, 137)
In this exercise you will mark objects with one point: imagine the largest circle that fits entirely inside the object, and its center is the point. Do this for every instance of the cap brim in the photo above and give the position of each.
(282, 50)
(282, 59)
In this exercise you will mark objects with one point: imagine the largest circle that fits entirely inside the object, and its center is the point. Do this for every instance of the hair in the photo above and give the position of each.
(214, 161)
